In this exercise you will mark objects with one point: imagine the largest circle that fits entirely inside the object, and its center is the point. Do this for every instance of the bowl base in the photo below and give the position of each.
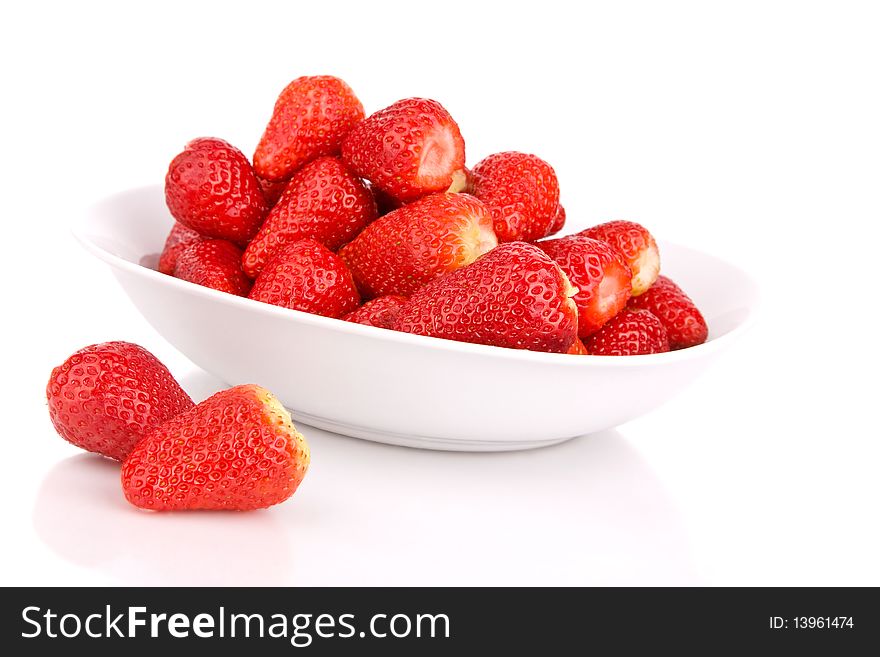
(422, 442)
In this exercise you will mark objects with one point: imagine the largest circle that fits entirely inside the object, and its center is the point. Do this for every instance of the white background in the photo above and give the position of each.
(750, 130)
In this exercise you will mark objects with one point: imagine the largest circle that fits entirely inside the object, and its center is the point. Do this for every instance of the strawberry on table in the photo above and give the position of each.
(323, 201)
(106, 397)
(178, 239)
(312, 116)
(408, 149)
(307, 276)
(683, 321)
(514, 296)
(630, 333)
(638, 247)
(211, 188)
(236, 451)
(215, 264)
(522, 193)
(400, 252)
(381, 312)
(603, 279)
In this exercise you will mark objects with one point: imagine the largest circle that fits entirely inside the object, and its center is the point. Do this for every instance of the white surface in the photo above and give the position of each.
(402, 389)
(750, 131)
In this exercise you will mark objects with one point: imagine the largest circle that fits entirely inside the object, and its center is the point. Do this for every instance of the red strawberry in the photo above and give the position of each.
(311, 118)
(323, 202)
(272, 190)
(307, 276)
(380, 312)
(638, 248)
(178, 239)
(236, 451)
(215, 264)
(107, 397)
(514, 296)
(578, 348)
(683, 321)
(403, 250)
(211, 188)
(521, 192)
(598, 271)
(407, 150)
(558, 221)
(630, 333)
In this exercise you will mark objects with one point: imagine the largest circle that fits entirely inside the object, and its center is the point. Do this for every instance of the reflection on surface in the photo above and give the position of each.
(82, 515)
(589, 511)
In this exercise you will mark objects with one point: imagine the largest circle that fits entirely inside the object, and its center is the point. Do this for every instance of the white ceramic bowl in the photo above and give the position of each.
(406, 389)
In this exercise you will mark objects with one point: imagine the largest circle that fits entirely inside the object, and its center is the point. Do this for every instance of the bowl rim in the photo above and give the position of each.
(81, 232)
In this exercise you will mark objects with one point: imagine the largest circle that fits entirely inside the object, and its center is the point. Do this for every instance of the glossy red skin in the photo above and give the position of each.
(578, 348)
(684, 322)
(631, 239)
(232, 452)
(211, 188)
(630, 333)
(106, 397)
(312, 116)
(522, 193)
(514, 296)
(558, 221)
(386, 147)
(400, 252)
(587, 263)
(380, 312)
(215, 264)
(323, 202)
(178, 239)
(272, 190)
(307, 276)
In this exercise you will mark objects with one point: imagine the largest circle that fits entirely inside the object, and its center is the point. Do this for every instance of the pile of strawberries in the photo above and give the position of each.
(237, 450)
(376, 220)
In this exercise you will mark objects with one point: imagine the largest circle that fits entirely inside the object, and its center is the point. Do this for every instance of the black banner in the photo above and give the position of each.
(422, 621)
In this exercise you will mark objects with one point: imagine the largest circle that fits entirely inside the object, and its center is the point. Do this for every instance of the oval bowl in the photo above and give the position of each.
(405, 389)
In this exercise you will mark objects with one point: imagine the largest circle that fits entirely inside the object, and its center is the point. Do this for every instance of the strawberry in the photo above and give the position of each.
(211, 188)
(683, 321)
(215, 264)
(630, 333)
(381, 312)
(558, 221)
(311, 117)
(403, 250)
(521, 192)
(638, 247)
(598, 271)
(236, 451)
(307, 276)
(514, 296)
(106, 397)
(178, 239)
(578, 348)
(407, 150)
(323, 202)
(272, 190)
